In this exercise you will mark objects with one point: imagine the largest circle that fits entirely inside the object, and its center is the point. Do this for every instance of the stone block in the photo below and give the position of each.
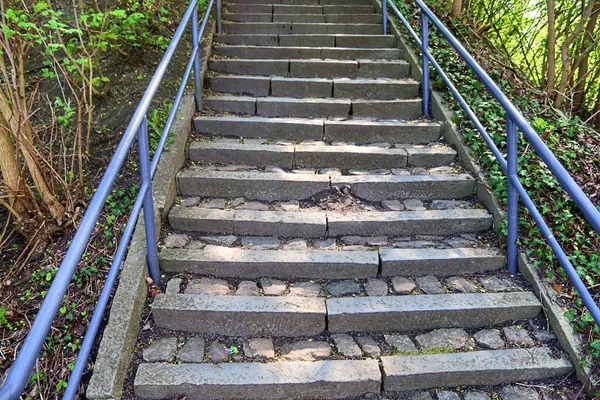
(306, 107)
(375, 89)
(250, 67)
(283, 128)
(248, 85)
(245, 154)
(232, 104)
(387, 109)
(383, 69)
(301, 87)
(362, 132)
(322, 68)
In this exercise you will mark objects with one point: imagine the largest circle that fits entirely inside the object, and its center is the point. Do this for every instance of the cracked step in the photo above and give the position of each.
(422, 312)
(288, 186)
(290, 52)
(330, 379)
(356, 41)
(240, 315)
(285, 28)
(283, 264)
(356, 131)
(317, 224)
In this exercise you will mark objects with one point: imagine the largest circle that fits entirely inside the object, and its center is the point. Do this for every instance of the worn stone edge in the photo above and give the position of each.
(560, 325)
(120, 334)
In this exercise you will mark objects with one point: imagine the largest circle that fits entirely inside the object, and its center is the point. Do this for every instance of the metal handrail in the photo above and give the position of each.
(138, 127)
(514, 121)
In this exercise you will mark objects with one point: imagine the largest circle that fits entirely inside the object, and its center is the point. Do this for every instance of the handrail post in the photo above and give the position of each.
(196, 43)
(218, 16)
(152, 250)
(513, 197)
(384, 16)
(425, 62)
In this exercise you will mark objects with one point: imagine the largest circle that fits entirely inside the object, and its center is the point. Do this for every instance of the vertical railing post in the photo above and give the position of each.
(152, 249)
(218, 16)
(513, 197)
(196, 43)
(384, 16)
(425, 62)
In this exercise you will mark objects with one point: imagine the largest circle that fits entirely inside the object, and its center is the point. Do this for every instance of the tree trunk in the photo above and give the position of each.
(597, 112)
(456, 8)
(551, 49)
(582, 76)
(11, 173)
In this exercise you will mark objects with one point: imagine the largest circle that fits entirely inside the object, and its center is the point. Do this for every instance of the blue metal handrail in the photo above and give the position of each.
(514, 121)
(138, 127)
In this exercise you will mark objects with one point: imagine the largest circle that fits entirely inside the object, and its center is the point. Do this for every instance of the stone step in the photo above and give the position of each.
(289, 186)
(306, 2)
(228, 262)
(314, 68)
(490, 367)
(240, 315)
(345, 157)
(355, 131)
(303, 18)
(290, 52)
(284, 28)
(439, 262)
(422, 312)
(330, 379)
(315, 107)
(319, 224)
(356, 41)
(313, 9)
(374, 89)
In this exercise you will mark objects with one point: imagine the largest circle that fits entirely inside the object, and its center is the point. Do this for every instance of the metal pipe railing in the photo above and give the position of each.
(515, 121)
(137, 128)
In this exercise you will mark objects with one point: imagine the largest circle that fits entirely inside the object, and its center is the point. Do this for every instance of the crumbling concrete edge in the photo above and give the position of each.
(555, 313)
(120, 334)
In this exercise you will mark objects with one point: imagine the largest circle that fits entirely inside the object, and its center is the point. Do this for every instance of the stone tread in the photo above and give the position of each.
(283, 28)
(297, 52)
(356, 41)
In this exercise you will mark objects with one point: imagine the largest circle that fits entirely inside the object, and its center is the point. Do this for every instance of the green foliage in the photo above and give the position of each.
(156, 123)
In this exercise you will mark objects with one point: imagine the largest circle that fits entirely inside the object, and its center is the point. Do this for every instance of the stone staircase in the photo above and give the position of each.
(328, 244)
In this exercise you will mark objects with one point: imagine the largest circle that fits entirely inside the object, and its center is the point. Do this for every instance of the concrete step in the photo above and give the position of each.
(229, 262)
(287, 52)
(356, 41)
(491, 367)
(329, 379)
(374, 89)
(344, 157)
(319, 224)
(422, 312)
(439, 262)
(313, 68)
(355, 131)
(240, 315)
(289, 186)
(315, 107)
(306, 2)
(312, 9)
(284, 28)
(303, 18)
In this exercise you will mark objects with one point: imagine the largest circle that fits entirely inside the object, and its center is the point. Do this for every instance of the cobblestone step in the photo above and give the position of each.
(286, 28)
(345, 157)
(331, 379)
(288, 186)
(290, 52)
(317, 224)
(356, 41)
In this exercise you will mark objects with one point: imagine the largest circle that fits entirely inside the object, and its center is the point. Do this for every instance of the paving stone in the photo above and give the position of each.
(361, 240)
(441, 170)
(297, 244)
(305, 289)
(369, 346)
(518, 393)
(292, 205)
(176, 240)
(220, 240)
(495, 284)
(214, 203)
(207, 286)
(160, 350)
(259, 348)
(402, 343)
(354, 248)
(192, 351)
(459, 242)
(305, 351)
(430, 285)
(414, 205)
(449, 204)
(342, 288)
(346, 345)
(237, 201)
(489, 338)
(543, 335)
(446, 395)
(453, 338)
(414, 244)
(195, 245)
(330, 171)
(476, 396)
(272, 287)
(418, 171)
(262, 243)
(247, 288)
(393, 205)
(403, 285)
(190, 202)
(400, 172)
(376, 287)
(421, 396)
(517, 335)
(461, 285)
(326, 244)
(218, 352)
(253, 205)
(174, 285)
